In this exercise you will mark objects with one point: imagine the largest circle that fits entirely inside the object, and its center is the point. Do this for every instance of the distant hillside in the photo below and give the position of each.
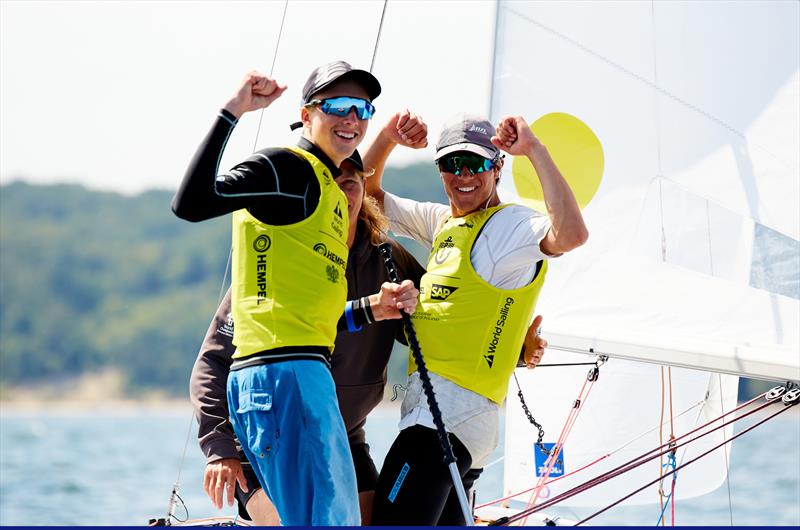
(93, 280)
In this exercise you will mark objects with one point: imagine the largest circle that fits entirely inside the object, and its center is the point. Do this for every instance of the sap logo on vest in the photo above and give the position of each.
(441, 292)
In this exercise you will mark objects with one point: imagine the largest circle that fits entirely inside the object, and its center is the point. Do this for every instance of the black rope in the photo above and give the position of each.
(531, 419)
(564, 364)
(385, 250)
(185, 509)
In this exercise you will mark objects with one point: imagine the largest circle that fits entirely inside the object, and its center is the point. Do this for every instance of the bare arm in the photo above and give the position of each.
(567, 230)
(404, 128)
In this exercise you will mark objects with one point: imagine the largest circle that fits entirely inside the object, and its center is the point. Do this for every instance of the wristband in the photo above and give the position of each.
(348, 315)
(365, 306)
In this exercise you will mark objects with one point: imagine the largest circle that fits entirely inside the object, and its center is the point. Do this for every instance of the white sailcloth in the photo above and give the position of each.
(693, 258)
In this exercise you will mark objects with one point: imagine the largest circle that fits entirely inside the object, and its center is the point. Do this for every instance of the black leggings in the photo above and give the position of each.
(415, 487)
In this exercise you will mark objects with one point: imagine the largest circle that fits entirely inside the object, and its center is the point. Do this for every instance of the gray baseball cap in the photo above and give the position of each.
(467, 132)
(325, 75)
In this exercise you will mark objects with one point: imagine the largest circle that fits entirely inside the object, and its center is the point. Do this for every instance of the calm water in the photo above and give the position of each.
(117, 468)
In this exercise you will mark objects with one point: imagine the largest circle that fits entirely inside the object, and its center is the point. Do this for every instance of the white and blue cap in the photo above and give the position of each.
(467, 132)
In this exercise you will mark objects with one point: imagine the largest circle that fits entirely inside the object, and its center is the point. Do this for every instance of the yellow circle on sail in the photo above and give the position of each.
(575, 149)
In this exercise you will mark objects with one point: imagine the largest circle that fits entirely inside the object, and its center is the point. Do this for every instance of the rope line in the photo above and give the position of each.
(272, 69)
(385, 250)
(638, 461)
(674, 471)
(586, 466)
(176, 486)
(378, 37)
(562, 438)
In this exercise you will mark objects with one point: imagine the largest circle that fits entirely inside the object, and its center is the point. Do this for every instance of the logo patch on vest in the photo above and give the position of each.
(322, 250)
(445, 247)
(262, 243)
(227, 328)
(441, 292)
(498, 331)
(333, 273)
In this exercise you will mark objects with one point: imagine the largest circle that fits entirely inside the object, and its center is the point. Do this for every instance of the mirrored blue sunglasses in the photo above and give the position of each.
(341, 106)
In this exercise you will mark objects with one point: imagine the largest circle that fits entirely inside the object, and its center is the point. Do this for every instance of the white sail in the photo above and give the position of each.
(693, 258)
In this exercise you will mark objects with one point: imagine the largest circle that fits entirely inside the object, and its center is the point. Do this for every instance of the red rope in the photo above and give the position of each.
(565, 432)
(781, 411)
(636, 462)
(609, 454)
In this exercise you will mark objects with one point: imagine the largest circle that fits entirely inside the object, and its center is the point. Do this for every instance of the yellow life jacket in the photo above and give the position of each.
(288, 282)
(470, 331)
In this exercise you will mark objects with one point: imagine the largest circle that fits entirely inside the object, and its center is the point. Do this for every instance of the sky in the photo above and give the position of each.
(117, 95)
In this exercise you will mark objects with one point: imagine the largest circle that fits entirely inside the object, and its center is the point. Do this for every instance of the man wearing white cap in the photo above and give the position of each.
(487, 265)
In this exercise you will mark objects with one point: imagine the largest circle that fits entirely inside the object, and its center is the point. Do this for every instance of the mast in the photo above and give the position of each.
(495, 38)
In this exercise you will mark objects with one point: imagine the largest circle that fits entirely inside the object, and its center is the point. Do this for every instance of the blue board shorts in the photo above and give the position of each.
(287, 419)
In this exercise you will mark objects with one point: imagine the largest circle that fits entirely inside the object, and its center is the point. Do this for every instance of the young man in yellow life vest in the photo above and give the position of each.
(290, 229)
(487, 265)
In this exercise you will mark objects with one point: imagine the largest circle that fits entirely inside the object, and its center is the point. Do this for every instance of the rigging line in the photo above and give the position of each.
(565, 432)
(529, 415)
(727, 461)
(176, 486)
(661, 442)
(700, 404)
(632, 464)
(653, 85)
(272, 69)
(385, 250)
(607, 455)
(655, 82)
(563, 364)
(509, 497)
(671, 458)
(225, 277)
(378, 37)
(781, 411)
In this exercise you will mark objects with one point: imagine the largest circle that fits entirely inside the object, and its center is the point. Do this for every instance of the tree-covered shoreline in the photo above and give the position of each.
(93, 280)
